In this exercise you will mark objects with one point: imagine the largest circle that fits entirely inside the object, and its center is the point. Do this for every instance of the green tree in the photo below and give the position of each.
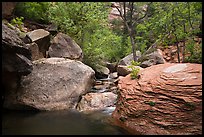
(174, 22)
(87, 24)
(132, 14)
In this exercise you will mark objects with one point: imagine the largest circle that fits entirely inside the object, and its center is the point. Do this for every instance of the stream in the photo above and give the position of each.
(61, 122)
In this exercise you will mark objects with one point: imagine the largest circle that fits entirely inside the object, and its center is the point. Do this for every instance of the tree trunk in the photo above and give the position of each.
(133, 48)
(174, 29)
(184, 43)
(184, 47)
(178, 53)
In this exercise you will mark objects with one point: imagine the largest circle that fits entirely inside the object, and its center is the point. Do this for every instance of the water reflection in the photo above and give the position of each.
(57, 123)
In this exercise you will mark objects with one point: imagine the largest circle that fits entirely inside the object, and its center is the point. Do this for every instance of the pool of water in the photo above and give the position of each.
(63, 122)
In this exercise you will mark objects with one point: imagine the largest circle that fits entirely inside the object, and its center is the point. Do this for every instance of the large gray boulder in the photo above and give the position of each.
(54, 84)
(65, 47)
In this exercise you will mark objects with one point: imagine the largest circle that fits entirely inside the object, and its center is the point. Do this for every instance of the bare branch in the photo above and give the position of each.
(120, 11)
(137, 20)
(124, 8)
(122, 16)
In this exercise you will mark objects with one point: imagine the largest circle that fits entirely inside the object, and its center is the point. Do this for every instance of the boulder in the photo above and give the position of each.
(127, 60)
(96, 101)
(65, 47)
(54, 84)
(112, 66)
(113, 75)
(124, 70)
(41, 37)
(52, 28)
(16, 59)
(36, 54)
(165, 100)
(152, 58)
(102, 72)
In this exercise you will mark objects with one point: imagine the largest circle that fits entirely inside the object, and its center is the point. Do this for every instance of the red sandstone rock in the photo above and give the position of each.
(166, 99)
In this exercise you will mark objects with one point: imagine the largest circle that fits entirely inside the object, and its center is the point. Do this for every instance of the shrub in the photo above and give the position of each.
(17, 22)
(195, 51)
(134, 71)
(36, 11)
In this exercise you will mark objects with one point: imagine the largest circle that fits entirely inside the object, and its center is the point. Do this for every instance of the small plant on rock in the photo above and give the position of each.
(134, 70)
(135, 63)
(18, 22)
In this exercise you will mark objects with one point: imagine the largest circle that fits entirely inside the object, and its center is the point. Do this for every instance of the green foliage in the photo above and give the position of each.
(142, 38)
(161, 23)
(87, 24)
(135, 63)
(134, 70)
(103, 45)
(77, 18)
(18, 22)
(151, 103)
(195, 51)
(36, 11)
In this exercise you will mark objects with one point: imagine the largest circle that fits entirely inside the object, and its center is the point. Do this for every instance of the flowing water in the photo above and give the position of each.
(63, 122)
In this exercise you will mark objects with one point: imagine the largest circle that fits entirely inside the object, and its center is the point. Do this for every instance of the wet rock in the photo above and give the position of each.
(96, 101)
(113, 75)
(102, 72)
(166, 99)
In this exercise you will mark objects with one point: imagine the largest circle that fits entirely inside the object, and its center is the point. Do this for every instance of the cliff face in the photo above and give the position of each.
(166, 99)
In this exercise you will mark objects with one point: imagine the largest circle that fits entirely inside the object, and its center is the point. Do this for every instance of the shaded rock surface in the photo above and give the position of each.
(36, 54)
(65, 47)
(54, 84)
(7, 9)
(166, 99)
(152, 58)
(102, 72)
(16, 59)
(41, 37)
(112, 66)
